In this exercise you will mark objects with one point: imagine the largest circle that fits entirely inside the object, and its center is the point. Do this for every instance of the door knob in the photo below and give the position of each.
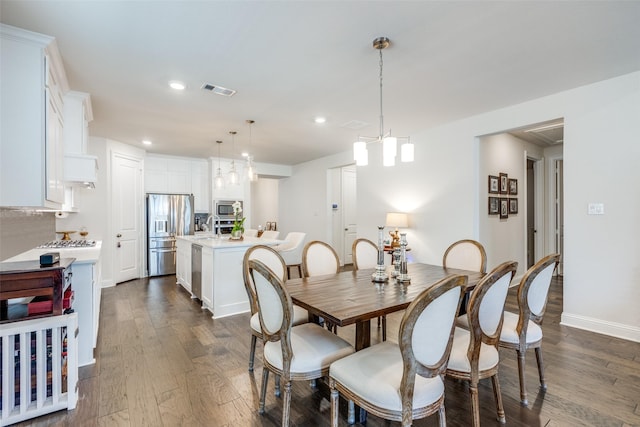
(118, 235)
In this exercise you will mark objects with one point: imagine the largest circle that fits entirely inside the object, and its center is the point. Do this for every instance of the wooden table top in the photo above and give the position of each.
(349, 297)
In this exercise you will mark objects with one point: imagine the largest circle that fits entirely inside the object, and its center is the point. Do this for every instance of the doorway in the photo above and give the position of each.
(343, 202)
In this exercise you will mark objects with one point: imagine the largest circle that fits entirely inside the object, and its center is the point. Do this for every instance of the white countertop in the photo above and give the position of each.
(82, 255)
(210, 240)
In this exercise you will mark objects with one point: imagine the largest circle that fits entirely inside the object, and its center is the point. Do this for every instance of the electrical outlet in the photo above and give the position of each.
(596, 208)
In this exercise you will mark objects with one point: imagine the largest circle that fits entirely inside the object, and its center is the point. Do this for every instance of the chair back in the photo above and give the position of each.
(291, 249)
(271, 259)
(534, 288)
(365, 254)
(466, 254)
(319, 258)
(486, 307)
(426, 335)
(250, 232)
(270, 234)
(274, 303)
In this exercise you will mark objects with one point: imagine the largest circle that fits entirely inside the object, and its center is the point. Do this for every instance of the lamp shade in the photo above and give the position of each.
(397, 219)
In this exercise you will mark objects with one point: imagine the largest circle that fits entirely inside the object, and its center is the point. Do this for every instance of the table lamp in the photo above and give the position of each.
(396, 219)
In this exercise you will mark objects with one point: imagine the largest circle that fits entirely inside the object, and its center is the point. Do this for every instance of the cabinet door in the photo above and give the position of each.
(54, 150)
(207, 278)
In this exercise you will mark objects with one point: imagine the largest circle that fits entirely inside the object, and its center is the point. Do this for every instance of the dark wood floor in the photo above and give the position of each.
(162, 361)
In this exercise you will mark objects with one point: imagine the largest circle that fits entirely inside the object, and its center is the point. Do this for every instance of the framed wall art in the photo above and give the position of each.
(494, 205)
(494, 186)
(504, 208)
(504, 183)
(513, 206)
(513, 187)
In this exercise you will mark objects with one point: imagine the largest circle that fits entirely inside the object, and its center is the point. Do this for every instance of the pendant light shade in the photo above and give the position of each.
(360, 153)
(406, 152)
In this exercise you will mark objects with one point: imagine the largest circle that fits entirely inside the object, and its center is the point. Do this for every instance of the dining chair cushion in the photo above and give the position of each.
(539, 289)
(314, 349)
(509, 333)
(492, 305)
(458, 359)
(375, 374)
(300, 316)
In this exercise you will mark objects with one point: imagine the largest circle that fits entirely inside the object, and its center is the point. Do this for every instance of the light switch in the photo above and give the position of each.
(596, 208)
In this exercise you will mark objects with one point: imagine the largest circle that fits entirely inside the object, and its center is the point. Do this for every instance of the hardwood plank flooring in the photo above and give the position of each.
(163, 361)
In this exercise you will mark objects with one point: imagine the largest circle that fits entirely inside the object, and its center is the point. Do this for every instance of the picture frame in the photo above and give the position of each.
(268, 226)
(494, 205)
(494, 186)
(504, 208)
(513, 206)
(274, 227)
(513, 187)
(504, 183)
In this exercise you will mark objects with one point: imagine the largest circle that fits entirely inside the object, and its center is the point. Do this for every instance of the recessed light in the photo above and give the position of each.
(245, 154)
(147, 142)
(174, 84)
(320, 120)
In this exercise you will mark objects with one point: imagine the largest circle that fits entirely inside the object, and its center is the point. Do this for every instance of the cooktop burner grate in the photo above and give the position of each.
(59, 244)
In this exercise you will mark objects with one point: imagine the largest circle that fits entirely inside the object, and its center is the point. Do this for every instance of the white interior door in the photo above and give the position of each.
(349, 211)
(559, 199)
(127, 213)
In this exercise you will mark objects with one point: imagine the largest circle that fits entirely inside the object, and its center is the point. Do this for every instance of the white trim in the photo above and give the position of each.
(599, 326)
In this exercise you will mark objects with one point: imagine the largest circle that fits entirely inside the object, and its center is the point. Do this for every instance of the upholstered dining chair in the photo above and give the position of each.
(275, 262)
(270, 234)
(522, 331)
(302, 352)
(474, 354)
(319, 258)
(466, 254)
(365, 255)
(291, 251)
(404, 381)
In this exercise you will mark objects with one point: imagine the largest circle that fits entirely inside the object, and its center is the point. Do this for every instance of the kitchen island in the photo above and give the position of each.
(222, 291)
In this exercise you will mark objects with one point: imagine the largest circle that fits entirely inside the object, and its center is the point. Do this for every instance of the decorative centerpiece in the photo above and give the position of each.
(402, 276)
(238, 223)
(380, 275)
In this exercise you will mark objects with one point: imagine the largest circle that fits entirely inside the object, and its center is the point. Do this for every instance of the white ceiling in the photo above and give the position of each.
(293, 60)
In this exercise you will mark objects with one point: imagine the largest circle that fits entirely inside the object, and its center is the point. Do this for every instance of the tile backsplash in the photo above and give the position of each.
(24, 230)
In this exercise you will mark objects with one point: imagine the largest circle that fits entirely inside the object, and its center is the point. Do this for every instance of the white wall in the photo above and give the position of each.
(440, 191)
(263, 203)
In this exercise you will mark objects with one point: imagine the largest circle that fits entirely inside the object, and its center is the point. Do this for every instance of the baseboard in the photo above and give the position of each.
(591, 324)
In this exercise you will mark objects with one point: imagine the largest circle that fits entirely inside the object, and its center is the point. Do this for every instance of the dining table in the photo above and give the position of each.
(351, 297)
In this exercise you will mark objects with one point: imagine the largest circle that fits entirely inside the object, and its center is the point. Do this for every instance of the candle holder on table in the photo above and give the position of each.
(380, 275)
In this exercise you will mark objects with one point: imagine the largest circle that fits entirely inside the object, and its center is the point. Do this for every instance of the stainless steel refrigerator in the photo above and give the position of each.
(168, 216)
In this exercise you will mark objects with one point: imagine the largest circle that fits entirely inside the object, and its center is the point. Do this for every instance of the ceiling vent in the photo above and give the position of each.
(219, 90)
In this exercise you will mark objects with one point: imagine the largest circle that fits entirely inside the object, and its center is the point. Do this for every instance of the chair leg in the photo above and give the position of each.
(384, 328)
(299, 270)
(475, 405)
(286, 403)
(263, 389)
(334, 404)
(523, 389)
(277, 384)
(498, 396)
(252, 352)
(543, 383)
(442, 416)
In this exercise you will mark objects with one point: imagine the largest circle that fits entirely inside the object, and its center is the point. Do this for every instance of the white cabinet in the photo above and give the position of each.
(87, 294)
(164, 174)
(31, 144)
(183, 263)
(79, 168)
(207, 278)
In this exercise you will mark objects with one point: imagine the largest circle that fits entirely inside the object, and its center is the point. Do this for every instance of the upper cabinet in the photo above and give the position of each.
(165, 174)
(79, 168)
(31, 144)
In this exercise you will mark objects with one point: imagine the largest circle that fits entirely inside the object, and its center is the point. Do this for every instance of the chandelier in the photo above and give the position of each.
(389, 143)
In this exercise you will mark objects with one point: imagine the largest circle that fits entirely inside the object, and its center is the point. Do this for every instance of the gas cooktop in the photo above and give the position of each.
(63, 244)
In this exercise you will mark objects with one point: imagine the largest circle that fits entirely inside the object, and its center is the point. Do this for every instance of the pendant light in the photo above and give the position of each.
(389, 143)
(234, 178)
(252, 174)
(218, 181)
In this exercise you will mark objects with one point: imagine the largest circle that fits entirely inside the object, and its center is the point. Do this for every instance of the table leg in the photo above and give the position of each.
(363, 340)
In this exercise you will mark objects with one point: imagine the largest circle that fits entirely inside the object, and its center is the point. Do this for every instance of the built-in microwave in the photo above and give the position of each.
(224, 208)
